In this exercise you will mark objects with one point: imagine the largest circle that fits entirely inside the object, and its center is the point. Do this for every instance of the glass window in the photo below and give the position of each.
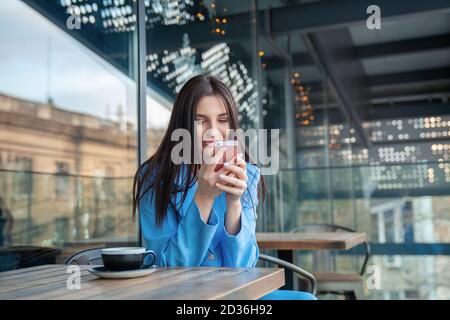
(408, 222)
(188, 38)
(68, 117)
(62, 180)
(374, 227)
(22, 178)
(389, 226)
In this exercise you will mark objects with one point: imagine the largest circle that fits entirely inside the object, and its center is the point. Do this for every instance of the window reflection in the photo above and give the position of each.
(67, 126)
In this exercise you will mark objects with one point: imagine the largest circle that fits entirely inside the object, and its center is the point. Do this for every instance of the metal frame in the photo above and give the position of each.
(90, 254)
(404, 249)
(292, 267)
(141, 91)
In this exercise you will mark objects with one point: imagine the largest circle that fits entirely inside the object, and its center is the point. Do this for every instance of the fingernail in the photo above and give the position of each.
(226, 164)
(222, 176)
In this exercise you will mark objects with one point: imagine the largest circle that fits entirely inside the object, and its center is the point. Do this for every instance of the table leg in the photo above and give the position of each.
(287, 256)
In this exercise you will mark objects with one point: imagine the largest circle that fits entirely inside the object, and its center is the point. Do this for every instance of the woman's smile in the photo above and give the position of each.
(208, 142)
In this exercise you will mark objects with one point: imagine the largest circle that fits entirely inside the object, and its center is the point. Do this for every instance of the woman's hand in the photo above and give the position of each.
(234, 183)
(233, 179)
(207, 179)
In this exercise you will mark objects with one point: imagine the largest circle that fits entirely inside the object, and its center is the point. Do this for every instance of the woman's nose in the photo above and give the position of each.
(212, 132)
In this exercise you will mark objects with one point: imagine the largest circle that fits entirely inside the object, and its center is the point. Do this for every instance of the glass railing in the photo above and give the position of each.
(44, 211)
(347, 194)
(403, 209)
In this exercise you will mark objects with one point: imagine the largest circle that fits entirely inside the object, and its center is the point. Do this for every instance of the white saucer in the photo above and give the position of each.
(102, 272)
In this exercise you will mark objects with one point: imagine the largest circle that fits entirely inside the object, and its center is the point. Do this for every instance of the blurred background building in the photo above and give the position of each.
(364, 119)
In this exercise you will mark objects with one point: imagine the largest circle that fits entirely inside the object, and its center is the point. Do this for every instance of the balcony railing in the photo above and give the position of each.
(55, 209)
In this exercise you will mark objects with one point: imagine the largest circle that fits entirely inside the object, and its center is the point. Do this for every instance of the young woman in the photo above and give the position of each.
(190, 214)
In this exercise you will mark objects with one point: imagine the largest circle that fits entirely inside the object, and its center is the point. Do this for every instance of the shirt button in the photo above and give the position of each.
(210, 256)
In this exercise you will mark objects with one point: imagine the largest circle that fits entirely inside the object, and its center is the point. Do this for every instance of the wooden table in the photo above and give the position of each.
(49, 282)
(285, 243)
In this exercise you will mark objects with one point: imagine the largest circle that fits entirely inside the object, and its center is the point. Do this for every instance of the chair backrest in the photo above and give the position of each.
(323, 258)
(86, 257)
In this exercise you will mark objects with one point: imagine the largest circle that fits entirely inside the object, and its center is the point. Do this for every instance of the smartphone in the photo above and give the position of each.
(232, 148)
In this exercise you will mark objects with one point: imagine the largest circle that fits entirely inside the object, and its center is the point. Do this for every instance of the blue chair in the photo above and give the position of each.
(290, 294)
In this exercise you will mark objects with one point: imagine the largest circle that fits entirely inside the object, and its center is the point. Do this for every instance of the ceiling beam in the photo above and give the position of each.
(403, 46)
(411, 97)
(379, 50)
(393, 92)
(408, 77)
(332, 14)
(408, 110)
(424, 78)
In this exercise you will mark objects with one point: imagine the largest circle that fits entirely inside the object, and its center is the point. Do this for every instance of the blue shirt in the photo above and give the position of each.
(189, 241)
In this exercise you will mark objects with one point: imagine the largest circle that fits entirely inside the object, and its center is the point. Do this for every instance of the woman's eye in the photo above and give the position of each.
(223, 120)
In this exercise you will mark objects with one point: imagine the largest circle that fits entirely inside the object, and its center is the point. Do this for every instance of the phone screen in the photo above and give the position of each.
(231, 150)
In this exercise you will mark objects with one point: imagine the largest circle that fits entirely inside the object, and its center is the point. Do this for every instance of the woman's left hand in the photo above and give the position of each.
(233, 179)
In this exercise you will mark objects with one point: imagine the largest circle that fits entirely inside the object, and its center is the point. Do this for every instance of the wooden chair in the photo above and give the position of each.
(348, 284)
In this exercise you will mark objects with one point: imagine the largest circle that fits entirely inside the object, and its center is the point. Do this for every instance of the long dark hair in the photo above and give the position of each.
(159, 172)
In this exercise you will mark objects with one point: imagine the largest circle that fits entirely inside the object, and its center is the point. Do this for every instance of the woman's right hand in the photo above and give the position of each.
(207, 179)
(207, 176)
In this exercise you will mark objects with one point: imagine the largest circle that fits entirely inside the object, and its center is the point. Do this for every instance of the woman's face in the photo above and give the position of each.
(211, 120)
